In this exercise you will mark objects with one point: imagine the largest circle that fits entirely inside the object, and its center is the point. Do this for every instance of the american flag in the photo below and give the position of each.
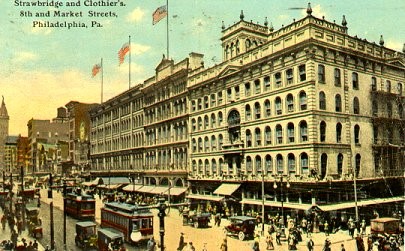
(96, 69)
(159, 14)
(122, 52)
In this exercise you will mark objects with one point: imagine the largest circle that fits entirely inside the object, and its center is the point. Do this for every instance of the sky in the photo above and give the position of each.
(42, 69)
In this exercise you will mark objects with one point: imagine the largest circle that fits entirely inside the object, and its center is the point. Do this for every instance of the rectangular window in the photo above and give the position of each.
(219, 98)
(277, 79)
(247, 90)
(229, 94)
(199, 106)
(213, 100)
(337, 77)
(206, 102)
(289, 76)
(266, 83)
(355, 81)
(257, 86)
(321, 74)
(237, 92)
(302, 73)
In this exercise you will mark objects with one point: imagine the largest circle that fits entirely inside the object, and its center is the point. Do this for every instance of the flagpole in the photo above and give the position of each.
(167, 28)
(129, 67)
(102, 79)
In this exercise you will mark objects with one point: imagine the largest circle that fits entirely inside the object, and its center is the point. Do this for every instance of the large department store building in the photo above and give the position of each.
(291, 118)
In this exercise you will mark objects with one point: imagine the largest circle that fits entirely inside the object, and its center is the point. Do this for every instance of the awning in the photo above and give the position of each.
(226, 189)
(91, 183)
(205, 197)
(111, 187)
(131, 188)
(361, 203)
(146, 189)
(176, 191)
(115, 180)
(159, 190)
(277, 204)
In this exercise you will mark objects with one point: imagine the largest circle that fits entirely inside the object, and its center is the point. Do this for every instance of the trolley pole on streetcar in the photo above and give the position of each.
(64, 214)
(51, 211)
(162, 214)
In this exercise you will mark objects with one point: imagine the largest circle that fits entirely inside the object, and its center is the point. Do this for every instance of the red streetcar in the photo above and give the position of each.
(80, 206)
(134, 221)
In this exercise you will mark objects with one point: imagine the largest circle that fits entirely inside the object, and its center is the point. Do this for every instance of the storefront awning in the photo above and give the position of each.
(159, 190)
(146, 189)
(277, 204)
(360, 203)
(131, 188)
(92, 183)
(226, 189)
(176, 191)
(205, 197)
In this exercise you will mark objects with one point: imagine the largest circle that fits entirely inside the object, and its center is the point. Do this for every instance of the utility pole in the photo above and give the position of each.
(64, 214)
(51, 211)
(162, 214)
(23, 198)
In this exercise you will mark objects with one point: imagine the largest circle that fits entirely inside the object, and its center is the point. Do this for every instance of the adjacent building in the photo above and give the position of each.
(4, 125)
(10, 156)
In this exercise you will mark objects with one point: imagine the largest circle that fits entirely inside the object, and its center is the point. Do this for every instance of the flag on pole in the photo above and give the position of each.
(122, 52)
(159, 14)
(96, 69)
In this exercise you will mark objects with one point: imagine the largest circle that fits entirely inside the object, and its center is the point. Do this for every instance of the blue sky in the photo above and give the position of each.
(42, 69)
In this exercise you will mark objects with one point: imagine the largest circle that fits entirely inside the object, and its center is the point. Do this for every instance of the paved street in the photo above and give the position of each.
(212, 236)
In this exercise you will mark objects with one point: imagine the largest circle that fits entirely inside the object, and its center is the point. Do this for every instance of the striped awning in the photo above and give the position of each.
(176, 191)
(205, 197)
(226, 189)
(277, 204)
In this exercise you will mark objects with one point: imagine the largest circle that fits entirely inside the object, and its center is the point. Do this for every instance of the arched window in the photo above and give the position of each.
(206, 122)
(338, 133)
(278, 106)
(200, 124)
(258, 137)
(337, 77)
(193, 125)
(214, 166)
(324, 165)
(356, 134)
(267, 136)
(338, 103)
(200, 166)
(322, 131)
(290, 76)
(200, 146)
(213, 143)
(258, 164)
(248, 138)
(220, 141)
(279, 134)
(207, 167)
(322, 101)
(358, 164)
(213, 121)
(237, 47)
(227, 52)
(257, 110)
(290, 103)
(290, 132)
(304, 163)
(356, 105)
(194, 145)
(303, 101)
(267, 108)
(340, 164)
(280, 164)
(206, 144)
(291, 164)
(257, 86)
(303, 131)
(220, 118)
(248, 44)
(247, 89)
(249, 164)
(194, 166)
(248, 113)
(269, 165)
(388, 86)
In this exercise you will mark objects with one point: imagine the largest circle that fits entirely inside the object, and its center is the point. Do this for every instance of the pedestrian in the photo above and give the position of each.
(269, 242)
(326, 246)
(309, 228)
(304, 225)
(255, 246)
(19, 226)
(363, 227)
(35, 245)
(3, 221)
(360, 243)
(150, 246)
(224, 245)
(190, 247)
(342, 247)
(278, 236)
(181, 242)
(326, 228)
(310, 245)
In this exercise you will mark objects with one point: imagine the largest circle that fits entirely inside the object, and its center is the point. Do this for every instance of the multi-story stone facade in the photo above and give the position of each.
(4, 125)
(306, 107)
(10, 157)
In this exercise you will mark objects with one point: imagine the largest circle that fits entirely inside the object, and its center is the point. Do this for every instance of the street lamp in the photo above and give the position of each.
(282, 202)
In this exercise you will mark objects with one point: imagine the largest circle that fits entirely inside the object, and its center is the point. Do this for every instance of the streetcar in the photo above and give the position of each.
(80, 206)
(134, 221)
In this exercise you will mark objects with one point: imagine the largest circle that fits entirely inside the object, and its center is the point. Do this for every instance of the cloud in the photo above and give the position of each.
(138, 49)
(136, 15)
(317, 11)
(394, 44)
(25, 56)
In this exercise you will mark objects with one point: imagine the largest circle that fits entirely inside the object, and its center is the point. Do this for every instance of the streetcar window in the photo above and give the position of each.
(135, 225)
(144, 223)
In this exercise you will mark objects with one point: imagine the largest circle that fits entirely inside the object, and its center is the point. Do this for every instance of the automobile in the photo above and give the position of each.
(197, 220)
(34, 221)
(242, 227)
(110, 239)
(86, 234)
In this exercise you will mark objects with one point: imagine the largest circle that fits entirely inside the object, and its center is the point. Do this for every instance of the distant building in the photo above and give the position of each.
(23, 157)
(45, 134)
(11, 156)
(79, 138)
(4, 125)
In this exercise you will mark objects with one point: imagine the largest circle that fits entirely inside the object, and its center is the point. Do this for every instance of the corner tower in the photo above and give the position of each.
(4, 122)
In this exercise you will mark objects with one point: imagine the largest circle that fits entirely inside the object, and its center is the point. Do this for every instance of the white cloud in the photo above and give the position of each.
(25, 56)
(394, 44)
(138, 49)
(317, 11)
(136, 15)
